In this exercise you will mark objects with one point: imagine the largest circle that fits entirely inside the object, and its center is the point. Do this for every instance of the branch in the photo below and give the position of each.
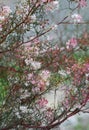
(67, 116)
(25, 19)
(48, 30)
(21, 123)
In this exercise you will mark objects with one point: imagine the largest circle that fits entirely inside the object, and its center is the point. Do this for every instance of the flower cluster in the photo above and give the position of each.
(42, 103)
(76, 18)
(47, 78)
(72, 43)
(4, 13)
(82, 3)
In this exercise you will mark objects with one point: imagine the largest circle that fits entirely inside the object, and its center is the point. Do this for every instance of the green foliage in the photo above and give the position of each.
(3, 90)
(80, 56)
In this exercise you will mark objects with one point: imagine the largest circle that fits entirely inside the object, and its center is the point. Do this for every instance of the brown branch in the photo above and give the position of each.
(21, 123)
(67, 116)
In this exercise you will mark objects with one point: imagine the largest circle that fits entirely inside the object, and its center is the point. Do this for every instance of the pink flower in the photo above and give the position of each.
(82, 3)
(6, 10)
(35, 90)
(44, 1)
(45, 74)
(49, 114)
(86, 67)
(42, 85)
(72, 43)
(42, 102)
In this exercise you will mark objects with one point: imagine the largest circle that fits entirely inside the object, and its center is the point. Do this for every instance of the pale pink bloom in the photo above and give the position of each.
(42, 102)
(45, 75)
(53, 5)
(72, 43)
(68, 71)
(44, 1)
(41, 84)
(33, 82)
(0, 27)
(82, 3)
(30, 76)
(36, 41)
(49, 114)
(87, 78)
(2, 18)
(87, 66)
(6, 10)
(76, 18)
(35, 90)
(33, 18)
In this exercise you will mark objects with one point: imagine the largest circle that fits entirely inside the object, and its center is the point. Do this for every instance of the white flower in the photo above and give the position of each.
(62, 72)
(45, 75)
(56, 4)
(76, 18)
(18, 115)
(87, 78)
(25, 94)
(2, 18)
(55, 27)
(27, 61)
(36, 65)
(33, 18)
(24, 109)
